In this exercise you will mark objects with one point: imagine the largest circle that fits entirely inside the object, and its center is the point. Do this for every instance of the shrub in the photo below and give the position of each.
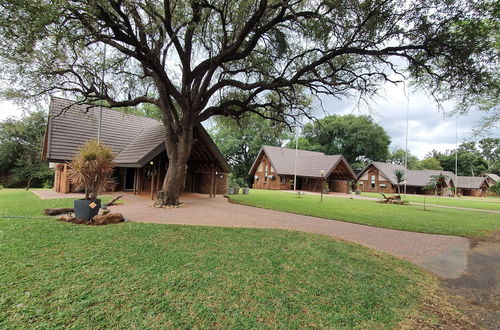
(92, 168)
(496, 188)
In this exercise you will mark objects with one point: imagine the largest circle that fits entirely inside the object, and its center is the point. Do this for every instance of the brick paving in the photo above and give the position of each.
(441, 254)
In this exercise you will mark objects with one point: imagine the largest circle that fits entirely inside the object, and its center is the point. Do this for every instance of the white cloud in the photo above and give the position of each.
(428, 126)
(9, 109)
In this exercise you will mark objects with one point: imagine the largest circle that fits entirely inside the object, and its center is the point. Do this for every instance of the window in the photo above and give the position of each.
(383, 185)
(282, 180)
(373, 181)
(265, 175)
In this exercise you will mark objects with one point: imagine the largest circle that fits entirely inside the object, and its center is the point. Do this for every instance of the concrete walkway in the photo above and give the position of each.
(440, 254)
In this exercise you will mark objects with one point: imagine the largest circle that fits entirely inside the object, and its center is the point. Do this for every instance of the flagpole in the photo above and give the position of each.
(295, 165)
(406, 143)
(102, 87)
(456, 155)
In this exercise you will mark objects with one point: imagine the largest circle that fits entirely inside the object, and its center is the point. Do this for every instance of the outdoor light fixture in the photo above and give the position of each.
(151, 162)
(322, 173)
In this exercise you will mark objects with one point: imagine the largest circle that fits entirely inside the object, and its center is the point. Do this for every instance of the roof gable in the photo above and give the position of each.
(418, 178)
(470, 182)
(309, 163)
(134, 139)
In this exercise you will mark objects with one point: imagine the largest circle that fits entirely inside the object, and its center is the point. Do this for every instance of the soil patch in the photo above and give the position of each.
(99, 220)
(477, 292)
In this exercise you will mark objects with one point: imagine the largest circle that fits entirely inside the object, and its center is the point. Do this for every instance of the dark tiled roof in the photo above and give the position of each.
(417, 178)
(135, 139)
(309, 163)
(470, 182)
(494, 177)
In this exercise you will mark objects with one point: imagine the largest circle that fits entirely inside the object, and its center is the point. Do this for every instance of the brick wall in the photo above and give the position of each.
(380, 181)
(260, 182)
(203, 182)
(339, 186)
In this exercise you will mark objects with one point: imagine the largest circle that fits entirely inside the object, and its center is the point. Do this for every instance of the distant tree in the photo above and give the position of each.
(428, 187)
(430, 163)
(398, 156)
(303, 143)
(21, 142)
(496, 188)
(439, 182)
(400, 178)
(490, 150)
(470, 161)
(241, 141)
(354, 137)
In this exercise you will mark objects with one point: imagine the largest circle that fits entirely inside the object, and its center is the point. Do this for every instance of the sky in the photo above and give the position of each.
(428, 128)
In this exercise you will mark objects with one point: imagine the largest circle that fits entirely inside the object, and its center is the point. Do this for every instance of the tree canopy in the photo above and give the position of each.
(21, 143)
(357, 138)
(398, 156)
(241, 141)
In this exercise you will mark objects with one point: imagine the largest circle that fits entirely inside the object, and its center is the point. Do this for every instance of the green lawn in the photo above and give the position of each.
(57, 275)
(485, 203)
(403, 217)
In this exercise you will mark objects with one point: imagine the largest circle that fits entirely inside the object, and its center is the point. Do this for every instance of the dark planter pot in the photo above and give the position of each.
(83, 211)
(358, 192)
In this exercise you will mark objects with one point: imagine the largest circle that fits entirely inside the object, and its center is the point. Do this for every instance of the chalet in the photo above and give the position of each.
(275, 167)
(492, 179)
(380, 177)
(472, 186)
(138, 142)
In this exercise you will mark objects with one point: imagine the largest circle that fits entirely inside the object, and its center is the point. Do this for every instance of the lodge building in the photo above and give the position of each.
(138, 142)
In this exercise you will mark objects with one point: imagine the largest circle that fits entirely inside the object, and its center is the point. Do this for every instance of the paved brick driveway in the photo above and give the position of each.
(440, 254)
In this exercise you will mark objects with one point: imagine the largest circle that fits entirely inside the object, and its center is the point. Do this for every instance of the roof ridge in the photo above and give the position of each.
(107, 109)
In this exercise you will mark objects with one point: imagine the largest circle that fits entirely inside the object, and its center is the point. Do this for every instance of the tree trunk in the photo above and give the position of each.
(178, 151)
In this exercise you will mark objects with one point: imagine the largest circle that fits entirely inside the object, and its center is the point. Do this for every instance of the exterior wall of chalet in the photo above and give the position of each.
(266, 178)
(147, 180)
(373, 181)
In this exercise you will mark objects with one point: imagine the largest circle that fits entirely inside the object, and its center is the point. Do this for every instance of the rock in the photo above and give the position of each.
(108, 218)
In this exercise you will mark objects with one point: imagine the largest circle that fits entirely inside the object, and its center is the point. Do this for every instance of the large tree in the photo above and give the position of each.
(21, 143)
(240, 142)
(201, 58)
(398, 156)
(469, 160)
(357, 138)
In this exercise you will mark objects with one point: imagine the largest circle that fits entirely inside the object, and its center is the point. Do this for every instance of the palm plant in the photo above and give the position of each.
(400, 178)
(92, 168)
(439, 182)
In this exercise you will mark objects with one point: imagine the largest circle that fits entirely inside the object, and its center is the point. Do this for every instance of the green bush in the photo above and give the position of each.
(235, 181)
(496, 188)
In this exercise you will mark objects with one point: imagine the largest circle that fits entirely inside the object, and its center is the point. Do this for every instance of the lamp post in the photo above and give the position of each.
(322, 172)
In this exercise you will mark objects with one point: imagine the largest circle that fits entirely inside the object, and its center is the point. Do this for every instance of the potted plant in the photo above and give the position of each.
(91, 168)
(356, 185)
(236, 189)
(246, 190)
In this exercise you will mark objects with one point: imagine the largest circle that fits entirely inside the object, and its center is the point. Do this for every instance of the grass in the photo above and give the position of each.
(484, 203)
(137, 275)
(403, 217)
